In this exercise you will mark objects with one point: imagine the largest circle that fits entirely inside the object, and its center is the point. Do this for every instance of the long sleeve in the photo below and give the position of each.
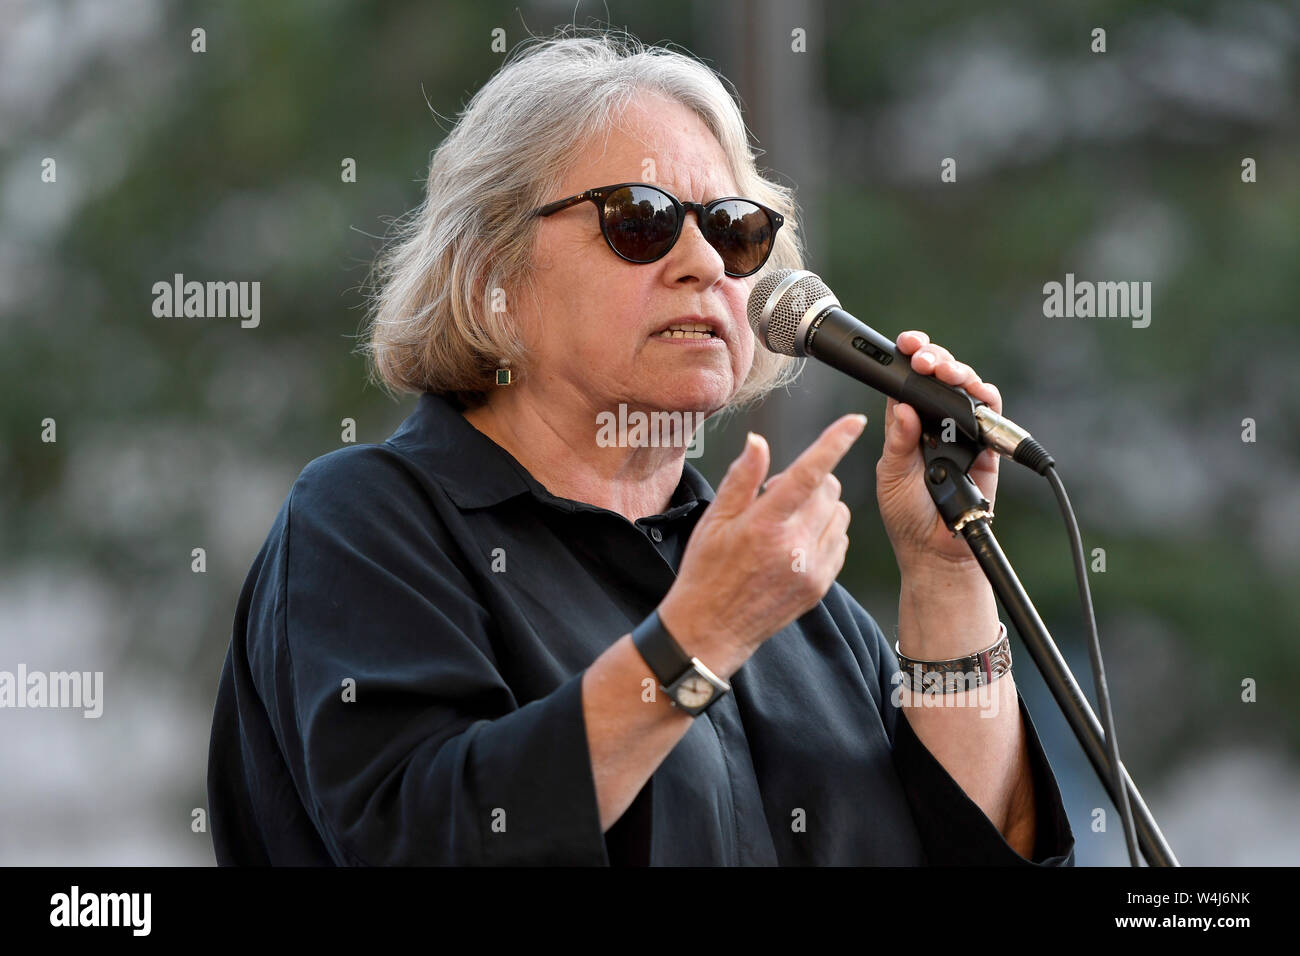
(376, 665)
(953, 828)
(955, 831)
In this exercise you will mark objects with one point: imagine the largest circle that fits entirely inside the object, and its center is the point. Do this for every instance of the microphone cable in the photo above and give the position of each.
(1094, 652)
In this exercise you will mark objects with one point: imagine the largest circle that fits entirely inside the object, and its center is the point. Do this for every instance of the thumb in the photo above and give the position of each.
(901, 453)
(741, 482)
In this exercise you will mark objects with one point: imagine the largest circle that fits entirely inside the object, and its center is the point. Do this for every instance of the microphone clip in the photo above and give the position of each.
(947, 464)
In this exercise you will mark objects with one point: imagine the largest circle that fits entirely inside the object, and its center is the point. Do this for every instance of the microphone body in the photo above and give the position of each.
(843, 342)
(793, 312)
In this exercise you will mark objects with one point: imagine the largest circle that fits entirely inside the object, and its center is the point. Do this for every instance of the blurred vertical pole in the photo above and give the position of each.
(753, 44)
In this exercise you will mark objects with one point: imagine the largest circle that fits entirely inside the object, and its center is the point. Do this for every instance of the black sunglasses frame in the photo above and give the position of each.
(701, 210)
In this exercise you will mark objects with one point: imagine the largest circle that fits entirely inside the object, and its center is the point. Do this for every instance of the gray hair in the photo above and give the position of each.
(432, 324)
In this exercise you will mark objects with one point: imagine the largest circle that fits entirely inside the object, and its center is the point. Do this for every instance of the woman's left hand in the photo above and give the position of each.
(920, 539)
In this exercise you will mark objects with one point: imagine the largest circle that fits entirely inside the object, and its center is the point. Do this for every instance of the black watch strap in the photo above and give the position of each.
(664, 655)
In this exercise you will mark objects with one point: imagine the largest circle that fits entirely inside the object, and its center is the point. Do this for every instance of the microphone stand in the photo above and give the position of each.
(965, 509)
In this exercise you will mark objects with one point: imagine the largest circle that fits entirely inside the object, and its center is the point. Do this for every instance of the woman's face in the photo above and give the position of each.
(593, 339)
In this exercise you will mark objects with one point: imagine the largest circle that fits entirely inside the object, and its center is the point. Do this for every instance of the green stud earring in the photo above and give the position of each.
(504, 376)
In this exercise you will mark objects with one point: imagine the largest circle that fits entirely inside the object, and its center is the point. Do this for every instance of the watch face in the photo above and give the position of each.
(695, 691)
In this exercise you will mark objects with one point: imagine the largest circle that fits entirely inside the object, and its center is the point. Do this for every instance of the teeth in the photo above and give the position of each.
(683, 330)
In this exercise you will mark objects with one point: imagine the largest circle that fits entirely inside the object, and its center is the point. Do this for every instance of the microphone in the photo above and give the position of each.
(793, 312)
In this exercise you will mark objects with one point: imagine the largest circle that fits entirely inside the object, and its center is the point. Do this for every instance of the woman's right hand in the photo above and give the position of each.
(758, 561)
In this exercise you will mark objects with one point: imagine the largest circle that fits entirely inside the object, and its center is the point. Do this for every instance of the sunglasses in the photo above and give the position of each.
(642, 222)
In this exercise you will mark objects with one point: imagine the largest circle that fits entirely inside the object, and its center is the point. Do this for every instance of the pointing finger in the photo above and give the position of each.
(807, 472)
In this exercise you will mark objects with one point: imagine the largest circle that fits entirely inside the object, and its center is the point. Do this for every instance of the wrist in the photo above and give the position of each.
(712, 645)
(943, 616)
(930, 566)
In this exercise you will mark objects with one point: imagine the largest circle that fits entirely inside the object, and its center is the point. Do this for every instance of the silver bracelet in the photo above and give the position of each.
(960, 673)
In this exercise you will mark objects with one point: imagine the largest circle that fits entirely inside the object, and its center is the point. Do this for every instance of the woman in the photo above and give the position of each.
(499, 638)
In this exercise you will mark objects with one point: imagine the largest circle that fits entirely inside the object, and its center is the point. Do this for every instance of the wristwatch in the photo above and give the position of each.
(690, 685)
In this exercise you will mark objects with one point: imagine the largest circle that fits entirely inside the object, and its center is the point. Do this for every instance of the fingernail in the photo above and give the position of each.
(862, 421)
(928, 356)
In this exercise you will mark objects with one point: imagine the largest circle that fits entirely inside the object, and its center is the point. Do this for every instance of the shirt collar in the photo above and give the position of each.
(476, 472)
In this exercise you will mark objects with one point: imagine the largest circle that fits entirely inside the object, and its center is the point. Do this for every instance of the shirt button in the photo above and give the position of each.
(656, 534)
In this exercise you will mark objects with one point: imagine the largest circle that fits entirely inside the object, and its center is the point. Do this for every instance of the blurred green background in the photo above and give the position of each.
(175, 434)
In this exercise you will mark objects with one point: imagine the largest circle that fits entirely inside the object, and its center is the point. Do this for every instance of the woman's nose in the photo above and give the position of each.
(693, 256)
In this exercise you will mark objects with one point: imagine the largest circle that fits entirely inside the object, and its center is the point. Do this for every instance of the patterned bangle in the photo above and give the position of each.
(960, 673)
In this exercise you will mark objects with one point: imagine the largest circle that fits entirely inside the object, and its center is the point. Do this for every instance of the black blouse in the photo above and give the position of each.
(403, 686)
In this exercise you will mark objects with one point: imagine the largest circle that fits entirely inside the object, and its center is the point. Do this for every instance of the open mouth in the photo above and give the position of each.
(686, 330)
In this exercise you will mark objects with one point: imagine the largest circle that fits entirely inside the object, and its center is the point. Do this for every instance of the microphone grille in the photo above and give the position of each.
(779, 305)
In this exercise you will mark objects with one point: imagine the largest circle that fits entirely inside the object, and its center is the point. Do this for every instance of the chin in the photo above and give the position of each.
(697, 397)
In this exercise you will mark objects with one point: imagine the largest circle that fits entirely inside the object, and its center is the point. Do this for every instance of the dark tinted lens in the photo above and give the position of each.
(742, 233)
(640, 222)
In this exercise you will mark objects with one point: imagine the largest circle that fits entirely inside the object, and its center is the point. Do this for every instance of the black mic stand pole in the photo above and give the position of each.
(965, 509)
